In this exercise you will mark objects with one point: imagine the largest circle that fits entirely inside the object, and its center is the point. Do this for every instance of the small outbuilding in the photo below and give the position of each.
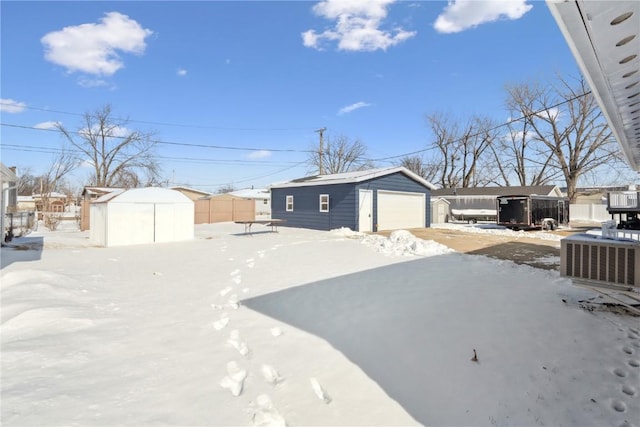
(439, 210)
(141, 216)
(370, 200)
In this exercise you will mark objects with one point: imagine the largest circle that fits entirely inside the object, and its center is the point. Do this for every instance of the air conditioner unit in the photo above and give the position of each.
(606, 263)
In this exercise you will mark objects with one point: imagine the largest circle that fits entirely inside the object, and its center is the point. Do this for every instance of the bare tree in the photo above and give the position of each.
(417, 165)
(340, 155)
(227, 188)
(119, 156)
(52, 179)
(567, 122)
(460, 149)
(28, 183)
(517, 157)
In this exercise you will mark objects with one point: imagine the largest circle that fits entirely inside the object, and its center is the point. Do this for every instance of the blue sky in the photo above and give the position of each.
(263, 76)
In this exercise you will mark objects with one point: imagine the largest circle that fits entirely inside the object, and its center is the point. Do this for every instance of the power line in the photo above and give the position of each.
(252, 129)
(180, 144)
(48, 150)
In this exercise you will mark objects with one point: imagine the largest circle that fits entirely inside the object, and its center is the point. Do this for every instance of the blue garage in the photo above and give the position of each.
(370, 200)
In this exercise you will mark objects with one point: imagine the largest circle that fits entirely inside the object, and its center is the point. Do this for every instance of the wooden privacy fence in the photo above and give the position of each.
(222, 210)
(85, 209)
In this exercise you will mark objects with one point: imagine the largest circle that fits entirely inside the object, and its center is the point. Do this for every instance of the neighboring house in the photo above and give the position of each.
(262, 199)
(370, 200)
(141, 216)
(26, 203)
(479, 203)
(8, 200)
(191, 193)
(54, 202)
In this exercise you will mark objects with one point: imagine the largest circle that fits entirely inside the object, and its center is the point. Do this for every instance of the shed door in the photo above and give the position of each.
(398, 210)
(365, 210)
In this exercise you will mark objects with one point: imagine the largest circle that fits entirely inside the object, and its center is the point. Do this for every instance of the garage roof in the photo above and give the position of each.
(604, 38)
(144, 195)
(352, 177)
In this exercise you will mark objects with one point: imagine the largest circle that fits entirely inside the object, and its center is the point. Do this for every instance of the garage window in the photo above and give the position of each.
(289, 203)
(324, 203)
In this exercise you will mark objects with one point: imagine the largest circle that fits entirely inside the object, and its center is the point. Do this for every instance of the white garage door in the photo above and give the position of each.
(397, 210)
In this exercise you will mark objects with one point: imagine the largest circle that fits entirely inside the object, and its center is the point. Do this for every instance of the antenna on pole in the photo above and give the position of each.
(320, 152)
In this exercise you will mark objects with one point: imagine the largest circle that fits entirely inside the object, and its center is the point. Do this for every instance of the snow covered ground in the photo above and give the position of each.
(302, 328)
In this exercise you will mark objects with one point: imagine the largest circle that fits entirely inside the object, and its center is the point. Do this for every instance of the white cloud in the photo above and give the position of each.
(460, 15)
(47, 125)
(549, 114)
(353, 107)
(11, 106)
(85, 82)
(114, 132)
(357, 26)
(93, 48)
(260, 154)
(182, 72)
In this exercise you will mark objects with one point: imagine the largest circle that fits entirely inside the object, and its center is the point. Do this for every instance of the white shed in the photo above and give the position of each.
(141, 216)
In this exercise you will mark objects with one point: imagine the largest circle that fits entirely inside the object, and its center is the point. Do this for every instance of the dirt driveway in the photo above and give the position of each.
(536, 252)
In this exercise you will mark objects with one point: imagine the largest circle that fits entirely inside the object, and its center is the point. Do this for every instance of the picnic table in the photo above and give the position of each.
(273, 223)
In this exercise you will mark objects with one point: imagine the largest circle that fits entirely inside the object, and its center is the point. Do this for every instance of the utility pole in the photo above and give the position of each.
(320, 153)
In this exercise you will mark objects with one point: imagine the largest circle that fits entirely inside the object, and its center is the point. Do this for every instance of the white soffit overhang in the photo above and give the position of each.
(604, 37)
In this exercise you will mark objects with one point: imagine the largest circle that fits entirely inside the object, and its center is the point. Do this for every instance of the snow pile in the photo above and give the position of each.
(346, 232)
(403, 243)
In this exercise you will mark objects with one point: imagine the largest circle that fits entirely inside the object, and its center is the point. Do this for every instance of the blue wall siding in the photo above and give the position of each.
(306, 206)
(343, 202)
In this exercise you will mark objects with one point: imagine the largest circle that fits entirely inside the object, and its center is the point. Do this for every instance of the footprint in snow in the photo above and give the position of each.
(237, 343)
(226, 290)
(276, 332)
(620, 372)
(234, 272)
(628, 390)
(261, 254)
(251, 262)
(233, 302)
(319, 391)
(618, 405)
(271, 375)
(634, 363)
(234, 381)
(246, 290)
(237, 279)
(266, 415)
(222, 322)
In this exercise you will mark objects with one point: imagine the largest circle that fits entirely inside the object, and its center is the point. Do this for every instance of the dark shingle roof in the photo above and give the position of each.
(541, 190)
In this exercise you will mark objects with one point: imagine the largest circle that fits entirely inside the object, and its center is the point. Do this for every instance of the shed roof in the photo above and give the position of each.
(144, 195)
(252, 193)
(193, 190)
(352, 177)
(93, 191)
(541, 190)
(7, 174)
